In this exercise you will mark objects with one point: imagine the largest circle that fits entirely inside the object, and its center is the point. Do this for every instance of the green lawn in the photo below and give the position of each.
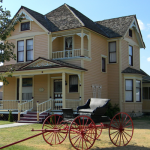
(5, 122)
(139, 141)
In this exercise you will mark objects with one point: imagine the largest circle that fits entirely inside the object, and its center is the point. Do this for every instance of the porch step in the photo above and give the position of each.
(31, 117)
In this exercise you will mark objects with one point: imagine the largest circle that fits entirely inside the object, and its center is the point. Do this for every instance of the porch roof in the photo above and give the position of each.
(40, 63)
(134, 71)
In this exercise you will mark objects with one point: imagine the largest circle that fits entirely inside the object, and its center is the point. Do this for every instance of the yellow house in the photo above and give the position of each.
(64, 58)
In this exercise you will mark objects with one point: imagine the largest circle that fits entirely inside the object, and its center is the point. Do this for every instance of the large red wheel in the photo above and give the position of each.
(54, 137)
(121, 129)
(82, 133)
(99, 130)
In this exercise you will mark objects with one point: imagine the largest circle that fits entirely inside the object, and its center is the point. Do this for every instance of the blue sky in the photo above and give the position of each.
(97, 10)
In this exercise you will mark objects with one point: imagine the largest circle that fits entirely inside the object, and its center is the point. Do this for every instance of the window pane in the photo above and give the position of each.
(112, 57)
(103, 65)
(130, 60)
(25, 26)
(112, 47)
(68, 43)
(21, 56)
(73, 83)
(30, 55)
(128, 84)
(128, 96)
(145, 92)
(130, 50)
(138, 95)
(138, 84)
(20, 45)
(30, 44)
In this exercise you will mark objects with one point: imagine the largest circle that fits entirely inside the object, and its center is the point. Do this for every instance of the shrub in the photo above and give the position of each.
(112, 110)
(10, 117)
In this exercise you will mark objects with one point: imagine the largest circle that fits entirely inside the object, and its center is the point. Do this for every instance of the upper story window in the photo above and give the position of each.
(20, 51)
(29, 52)
(138, 91)
(130, 55)
(73, 83)
(129, 90)
(68, 43)
(25, 48)
(25, 26)
(146, 92)
(130, 32)
(103, 64)
(112, 52)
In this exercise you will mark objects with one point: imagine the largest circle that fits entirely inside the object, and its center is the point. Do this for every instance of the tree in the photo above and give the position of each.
(6, 48)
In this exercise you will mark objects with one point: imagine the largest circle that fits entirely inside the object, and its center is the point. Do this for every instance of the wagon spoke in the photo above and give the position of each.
(113, 132)
(127, 134)
(90, 137)
(77, 140)
(128, 126)
(122, 139)
(115, 135)
(86, 123)
(86, 144)
(127, 122)
(117, 138)
(60, 135)
(58, 120)
(50, 136)
(74, 137)
(124, 120)
(125, 137)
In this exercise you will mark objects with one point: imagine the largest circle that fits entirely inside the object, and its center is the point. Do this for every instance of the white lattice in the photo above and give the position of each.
(96, 90)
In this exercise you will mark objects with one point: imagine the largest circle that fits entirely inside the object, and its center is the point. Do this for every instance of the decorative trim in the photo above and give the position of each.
(53, 38)
(26, 16)
(84, 34)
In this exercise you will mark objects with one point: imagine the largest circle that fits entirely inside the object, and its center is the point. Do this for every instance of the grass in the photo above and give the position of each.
(139, 141)
(5, 122)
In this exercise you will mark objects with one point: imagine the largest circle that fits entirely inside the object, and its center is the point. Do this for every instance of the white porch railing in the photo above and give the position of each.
(44, 106)
(69, 53)
(26, 106)
(9, 104)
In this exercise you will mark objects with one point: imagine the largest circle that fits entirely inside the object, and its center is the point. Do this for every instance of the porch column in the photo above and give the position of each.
(82, 88)
(20, 88)
(89, 45)
(63, 90)
(82, 43)
(48, 91)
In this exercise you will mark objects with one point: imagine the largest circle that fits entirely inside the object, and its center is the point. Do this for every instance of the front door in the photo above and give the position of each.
(58, 94)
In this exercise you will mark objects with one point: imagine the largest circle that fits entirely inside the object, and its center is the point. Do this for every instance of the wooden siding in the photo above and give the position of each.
(125, 56)
(74, 62)
(34, 28)
(10, 89)
(58, 44)
(77, 42)
(41, 46)
(94, 74)
(40, 81)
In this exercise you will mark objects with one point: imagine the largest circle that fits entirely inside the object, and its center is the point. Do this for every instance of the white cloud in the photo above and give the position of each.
(141, 24)
(148, 59)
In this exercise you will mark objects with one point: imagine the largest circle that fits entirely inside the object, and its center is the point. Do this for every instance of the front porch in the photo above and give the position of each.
(43, 89)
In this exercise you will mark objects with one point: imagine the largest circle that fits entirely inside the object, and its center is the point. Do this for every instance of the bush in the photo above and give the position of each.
(112, 110)
(10, 117)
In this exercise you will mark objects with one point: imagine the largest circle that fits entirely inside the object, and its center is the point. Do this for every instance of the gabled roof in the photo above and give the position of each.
(116, 26)
(133, 71)
(40, 63)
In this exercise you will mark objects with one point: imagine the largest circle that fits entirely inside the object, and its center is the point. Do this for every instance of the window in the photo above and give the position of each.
(25, 26)
(68, 43)
(146, 92)
(112, 52)
(73, 83)
(130, 55)
(138, 91)
(20, 51)
(103, 64)
(130, 32)
(29, 52)
(129, 90)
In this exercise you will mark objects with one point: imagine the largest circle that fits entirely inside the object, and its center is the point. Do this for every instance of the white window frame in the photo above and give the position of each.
(25, 52)
(109, 52)
(132, 55)
(24, 21)
(103, 56)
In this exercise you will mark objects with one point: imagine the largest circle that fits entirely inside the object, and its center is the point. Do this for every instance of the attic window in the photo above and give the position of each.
(25, 26)
(130, 32)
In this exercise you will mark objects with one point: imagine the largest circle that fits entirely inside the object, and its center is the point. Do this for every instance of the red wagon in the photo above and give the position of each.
(83, 132)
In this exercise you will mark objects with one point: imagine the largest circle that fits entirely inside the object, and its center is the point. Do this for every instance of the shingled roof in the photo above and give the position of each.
(117, 26)
(66, 17)
(26, 66)
(134, 71)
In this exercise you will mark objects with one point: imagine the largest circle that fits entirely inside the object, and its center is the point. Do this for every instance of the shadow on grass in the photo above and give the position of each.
(128, 147)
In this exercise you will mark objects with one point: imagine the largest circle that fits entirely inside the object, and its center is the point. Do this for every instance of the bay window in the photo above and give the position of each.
(112, 52)
(138, 91)
(129, 90)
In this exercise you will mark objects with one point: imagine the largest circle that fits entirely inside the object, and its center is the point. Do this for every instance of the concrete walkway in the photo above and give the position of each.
(14, 125)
